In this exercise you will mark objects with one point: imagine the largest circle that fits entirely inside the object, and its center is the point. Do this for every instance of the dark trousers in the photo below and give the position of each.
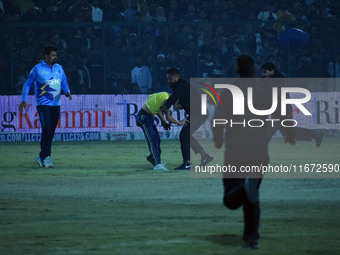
(235, 197)
(146, 123)
(186, 138)
(301, 134)
(304, 134)
(49, 117)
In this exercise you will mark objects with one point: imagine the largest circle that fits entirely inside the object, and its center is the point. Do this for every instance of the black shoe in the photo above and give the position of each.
(149, 158)
(251, 244)
(206, 160)
(318, 139)
(250, 186)
(184, 166)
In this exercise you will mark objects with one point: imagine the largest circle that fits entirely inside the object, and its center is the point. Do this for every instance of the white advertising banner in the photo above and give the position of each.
(109, 117)
(85, 117)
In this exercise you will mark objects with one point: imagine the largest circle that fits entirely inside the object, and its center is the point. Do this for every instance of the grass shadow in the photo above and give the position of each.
(225, 239)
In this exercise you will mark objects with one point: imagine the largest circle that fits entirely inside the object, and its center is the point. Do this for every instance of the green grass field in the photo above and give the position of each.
(103, 198)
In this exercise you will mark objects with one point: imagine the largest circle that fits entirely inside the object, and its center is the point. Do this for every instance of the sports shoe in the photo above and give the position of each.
(251, 244)
(206, 159)
(48, 162)
(160, 167)
(40, 162)
(250, 186)
(184, 166)
(318, 139)
(149, 158)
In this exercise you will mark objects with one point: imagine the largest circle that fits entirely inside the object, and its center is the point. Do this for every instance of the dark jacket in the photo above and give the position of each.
(181, 91)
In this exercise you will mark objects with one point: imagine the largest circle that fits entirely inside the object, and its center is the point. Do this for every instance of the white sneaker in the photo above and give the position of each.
(160, 167)
(48, 162)
(40, 162)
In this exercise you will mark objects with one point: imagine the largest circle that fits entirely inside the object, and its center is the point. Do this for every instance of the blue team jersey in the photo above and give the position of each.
(48, 83)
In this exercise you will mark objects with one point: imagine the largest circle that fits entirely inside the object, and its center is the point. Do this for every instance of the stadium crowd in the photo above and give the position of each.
(126, 46)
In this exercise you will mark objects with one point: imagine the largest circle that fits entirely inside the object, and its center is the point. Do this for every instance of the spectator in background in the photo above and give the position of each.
(122, 4)
(233, 14)
(283, 18)
(171, 16)
(160, 81)
(254, 42)
(160, 16)
(207, 65)
(2, 9)
(268, 11)
(97, 70)
(334, 67)
(24, 5)
(10, 12)
(165, 41)
(141, 75)
(84, 85)
(218, 70)
(191, 14)
(172, 59)
(97, 13)
(58, 41)
(91, 36)
(123, 82)
(174, 7)
(75, 42)
(71, 70)
(145, 47)
(334, 72)
(81, 11)
(62, 13)
(20, 78)
(153, 11)
(129, 13)
(115, 83)
(146, 17)
(184, 35)
(109, 11)
(116, 51)
(120, 87)
(35, 14)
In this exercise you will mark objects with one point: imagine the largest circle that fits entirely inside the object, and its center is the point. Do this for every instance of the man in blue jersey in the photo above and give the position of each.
(48, 79)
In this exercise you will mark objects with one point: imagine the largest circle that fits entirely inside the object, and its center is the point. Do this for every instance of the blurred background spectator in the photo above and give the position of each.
(201, 38)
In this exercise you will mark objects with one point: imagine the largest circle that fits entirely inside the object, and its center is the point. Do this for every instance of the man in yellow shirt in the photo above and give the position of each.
(145, 120)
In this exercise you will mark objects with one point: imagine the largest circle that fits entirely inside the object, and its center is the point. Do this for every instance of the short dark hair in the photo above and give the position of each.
(173, 71)
(48, 49)
(246, 65)
(268, 66)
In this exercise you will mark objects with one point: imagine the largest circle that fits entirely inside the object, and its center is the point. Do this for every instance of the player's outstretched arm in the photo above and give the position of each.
(165, 124)
(172, 120)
